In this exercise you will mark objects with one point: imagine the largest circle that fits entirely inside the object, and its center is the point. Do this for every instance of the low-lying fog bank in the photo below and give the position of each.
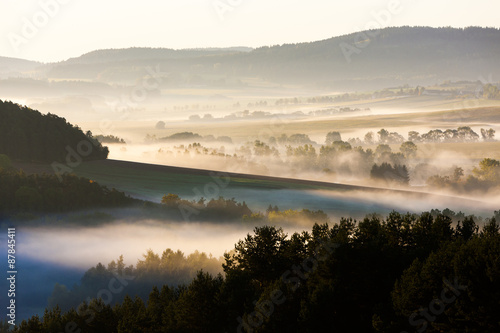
(84, 247)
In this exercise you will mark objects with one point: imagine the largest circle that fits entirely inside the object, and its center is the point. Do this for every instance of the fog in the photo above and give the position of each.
(84, 247)
(348, 167)
(249, 109)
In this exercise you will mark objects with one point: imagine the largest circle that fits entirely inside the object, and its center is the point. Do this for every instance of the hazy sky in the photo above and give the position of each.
(54, 30)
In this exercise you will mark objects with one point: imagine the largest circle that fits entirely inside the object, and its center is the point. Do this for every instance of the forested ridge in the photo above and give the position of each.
(404, 272)
(26, 134)
(363, 60)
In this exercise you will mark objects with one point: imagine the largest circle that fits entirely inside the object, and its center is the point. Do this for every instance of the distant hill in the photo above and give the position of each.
(392, 54)
(26, 134)
(143, 53)
(14, 67)
(369, 59)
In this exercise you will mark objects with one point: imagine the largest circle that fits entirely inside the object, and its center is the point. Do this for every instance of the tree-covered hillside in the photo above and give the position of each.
(403, 273)
(27, 196)
(26, 134)
(397, 55)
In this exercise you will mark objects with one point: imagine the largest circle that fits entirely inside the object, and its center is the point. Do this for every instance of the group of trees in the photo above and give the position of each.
(262, 149)
(171, 268)
(485, 176)
(491, 91)
(384, 93)
(26, 134)
(109, 139)
(43, 193)
(247, 114)
(488, 134)
(461, 134)
(188, 136)
(405, 272)
(219, 209)
(340, 158)
(386, 137)
(193, 150)
(337, 156)
(334, 158)
(351, 159)
(397, 174)
(275, 216)
(293, 139)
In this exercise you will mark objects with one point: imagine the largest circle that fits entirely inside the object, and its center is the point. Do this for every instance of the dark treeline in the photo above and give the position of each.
(406, 272)
(188, 136)
(229, 210)
(109, 139)
(397, 174)
(25, 195)
(171, 268)
(472, 89)
(26, 134)
(247, 114)
(219, 209)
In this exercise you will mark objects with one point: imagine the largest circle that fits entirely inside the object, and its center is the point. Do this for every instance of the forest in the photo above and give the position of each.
(26, 134)
(171, 268)
(25, 196)
(403, 272)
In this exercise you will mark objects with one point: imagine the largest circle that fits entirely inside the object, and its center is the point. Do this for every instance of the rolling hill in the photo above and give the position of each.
(150, 182)
(368, 59)
(26, 134)
(10, 67)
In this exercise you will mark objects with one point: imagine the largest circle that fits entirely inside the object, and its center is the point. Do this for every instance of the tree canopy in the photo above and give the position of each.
(404, 272)
(26, 134)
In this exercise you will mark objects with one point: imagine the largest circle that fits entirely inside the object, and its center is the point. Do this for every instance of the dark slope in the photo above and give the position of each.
(27, 134)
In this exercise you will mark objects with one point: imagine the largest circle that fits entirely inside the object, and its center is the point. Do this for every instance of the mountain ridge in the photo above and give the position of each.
(385, 57)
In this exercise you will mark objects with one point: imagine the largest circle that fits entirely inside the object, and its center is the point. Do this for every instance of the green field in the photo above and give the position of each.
(151, 182)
